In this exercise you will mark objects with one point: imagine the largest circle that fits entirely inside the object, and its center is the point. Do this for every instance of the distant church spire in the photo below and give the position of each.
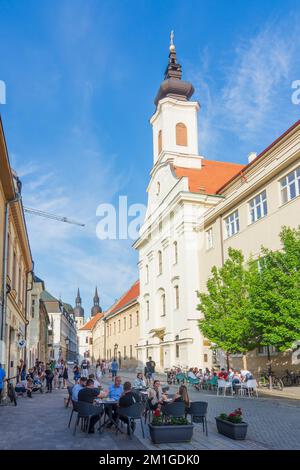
(96, 307)
(78, 310)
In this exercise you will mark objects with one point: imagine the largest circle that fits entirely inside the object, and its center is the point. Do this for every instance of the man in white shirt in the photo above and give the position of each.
(79, 386)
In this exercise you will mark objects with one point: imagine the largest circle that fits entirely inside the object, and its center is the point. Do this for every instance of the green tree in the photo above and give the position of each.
(225, 307)
(275, 293)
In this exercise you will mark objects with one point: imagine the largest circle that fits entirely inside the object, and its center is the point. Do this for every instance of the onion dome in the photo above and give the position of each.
(172, 85)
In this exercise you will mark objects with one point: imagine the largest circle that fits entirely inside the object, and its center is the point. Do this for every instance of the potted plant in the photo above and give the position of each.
(232, 425)
(168, 430)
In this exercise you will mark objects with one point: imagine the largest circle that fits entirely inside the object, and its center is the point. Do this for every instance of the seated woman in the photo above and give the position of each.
(155, 396)
(29, 386)
(139, 381)
(20, 388)
(182, 396)
(213, 382)
(236, 380)
(191, 374)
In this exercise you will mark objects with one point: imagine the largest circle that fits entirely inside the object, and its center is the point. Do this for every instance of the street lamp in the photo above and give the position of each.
(67, 341)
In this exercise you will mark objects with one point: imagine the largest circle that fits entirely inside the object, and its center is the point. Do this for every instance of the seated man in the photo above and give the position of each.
(223, 374)
(88, 395)
(77, 387)
(115, 391)
(128, 398)
(96, 383)
(246, 375)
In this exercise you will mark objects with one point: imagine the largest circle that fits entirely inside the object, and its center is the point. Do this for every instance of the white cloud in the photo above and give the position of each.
(260, 68)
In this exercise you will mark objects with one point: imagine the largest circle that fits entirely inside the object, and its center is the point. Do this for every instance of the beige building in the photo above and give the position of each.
(253, 206)
(116, 334)
(15, 266)
(86, 340)
(38, 328)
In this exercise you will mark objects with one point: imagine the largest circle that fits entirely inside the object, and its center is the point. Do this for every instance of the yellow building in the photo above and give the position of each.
(252, 208)
(15, 265)
(116, 334)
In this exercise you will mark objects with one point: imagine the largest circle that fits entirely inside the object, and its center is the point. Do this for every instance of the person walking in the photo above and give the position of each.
(77, 374)
(2, 377)
(114, 369)
(98, 371)
(49, 378)
(65, 374)
(150, 371)
(84, 368)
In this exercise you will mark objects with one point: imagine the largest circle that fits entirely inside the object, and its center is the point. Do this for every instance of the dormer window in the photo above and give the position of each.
(181, 134)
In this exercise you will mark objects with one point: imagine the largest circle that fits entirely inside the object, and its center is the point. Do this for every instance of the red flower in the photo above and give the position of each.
(157, 412)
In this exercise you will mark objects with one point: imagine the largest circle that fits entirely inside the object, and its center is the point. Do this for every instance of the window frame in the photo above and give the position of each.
(232, 221)
(253, 207)
(209, 239)
(296, 181)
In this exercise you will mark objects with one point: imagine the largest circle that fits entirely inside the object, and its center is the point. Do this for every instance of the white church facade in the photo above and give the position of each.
(182, 187)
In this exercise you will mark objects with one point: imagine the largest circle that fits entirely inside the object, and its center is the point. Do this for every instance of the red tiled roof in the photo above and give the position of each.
(91, 323)
(210, 177)
(129, 296)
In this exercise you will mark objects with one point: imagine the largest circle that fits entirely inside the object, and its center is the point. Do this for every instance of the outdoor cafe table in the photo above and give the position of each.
(107, 404)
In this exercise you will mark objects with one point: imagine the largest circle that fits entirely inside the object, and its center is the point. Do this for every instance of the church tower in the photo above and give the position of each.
(174, 123)
(79, 311)
(96, 307)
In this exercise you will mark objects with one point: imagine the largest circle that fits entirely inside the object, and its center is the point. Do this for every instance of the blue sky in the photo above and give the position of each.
(81, 77)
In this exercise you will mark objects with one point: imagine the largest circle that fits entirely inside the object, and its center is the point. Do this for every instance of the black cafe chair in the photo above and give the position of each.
(198, 412)
(74, 410)
(85, 413)
(132, 413)
(173, 410)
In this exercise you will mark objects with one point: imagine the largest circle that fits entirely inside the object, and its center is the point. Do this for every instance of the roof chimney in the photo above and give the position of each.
(252, 156)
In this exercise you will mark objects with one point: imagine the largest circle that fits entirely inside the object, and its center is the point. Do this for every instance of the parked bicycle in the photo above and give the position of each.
(291, 378)
(264, 381)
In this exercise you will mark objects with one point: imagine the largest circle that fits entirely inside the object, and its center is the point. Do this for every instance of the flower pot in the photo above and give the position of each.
(233, 430)
(169, 434)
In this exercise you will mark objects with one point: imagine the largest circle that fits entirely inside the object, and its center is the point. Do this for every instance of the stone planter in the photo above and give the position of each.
(171, 433)
(236, 431)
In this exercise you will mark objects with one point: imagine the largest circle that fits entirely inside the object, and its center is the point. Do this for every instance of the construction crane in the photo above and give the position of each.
(52, 216)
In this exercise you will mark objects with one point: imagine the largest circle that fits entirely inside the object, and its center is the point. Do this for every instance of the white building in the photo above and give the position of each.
(63, 327)
(84, 328)
(179, 192)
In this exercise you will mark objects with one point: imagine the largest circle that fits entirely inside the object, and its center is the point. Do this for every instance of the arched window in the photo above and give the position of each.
(147, 310)
(159, 141)
(181, 134)
(147, 273)
(163, 305)
(175, 253)
(176, 292)
(159, 262)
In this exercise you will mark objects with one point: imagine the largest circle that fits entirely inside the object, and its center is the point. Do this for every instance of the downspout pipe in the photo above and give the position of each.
(4, 275)
(26, 307)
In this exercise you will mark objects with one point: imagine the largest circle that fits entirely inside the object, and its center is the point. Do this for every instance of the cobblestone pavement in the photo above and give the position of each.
(273, 423)
(41, 423)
